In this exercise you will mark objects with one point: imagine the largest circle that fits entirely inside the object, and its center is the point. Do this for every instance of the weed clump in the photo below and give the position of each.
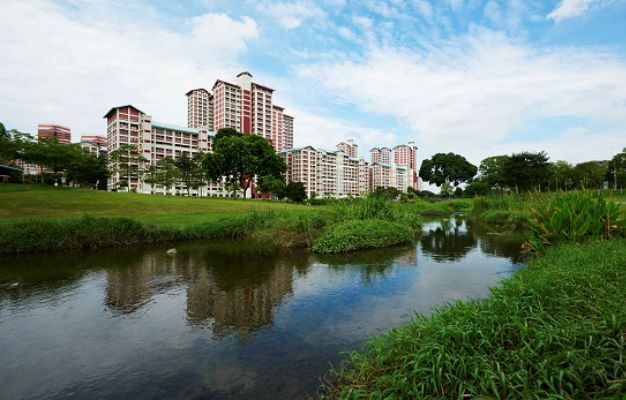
(362, 234)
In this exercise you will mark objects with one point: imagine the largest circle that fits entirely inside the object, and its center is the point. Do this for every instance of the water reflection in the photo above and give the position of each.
(222, 319)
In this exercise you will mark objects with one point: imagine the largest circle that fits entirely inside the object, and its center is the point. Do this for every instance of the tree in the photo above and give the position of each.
(151, 177)
(89, 170)
(198, 176)
(447, 167)
(526, 171)
(168, 173)
(590, 174)
(269, 184)
(226, 132)
(3, 132)
(492, 171)
(561, 174)
(477, 187)
(617, 169)
(236, 159)
(186, 169)
(295, 192)
(128, 162)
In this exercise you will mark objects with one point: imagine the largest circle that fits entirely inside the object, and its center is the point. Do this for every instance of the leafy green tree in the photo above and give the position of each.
(447, 167)
(561, 175)
(269, 184)
(152, 177)
(478, 187)
(526, 171)
(128, 162)
(168, 173)
(617, 170)
(3, 132)
(492, 171)
(186, 169)
(87, 169)
(295, 192)
(198, 175)
(590, 174)
(446, 189)
(236, 159)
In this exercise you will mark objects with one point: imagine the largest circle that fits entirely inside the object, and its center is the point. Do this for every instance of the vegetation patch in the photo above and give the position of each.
(362, 234)
(554, 330)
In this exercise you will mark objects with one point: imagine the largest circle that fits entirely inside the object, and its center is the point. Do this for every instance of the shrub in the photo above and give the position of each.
(377, 207)
(362, 234)
(575, 217)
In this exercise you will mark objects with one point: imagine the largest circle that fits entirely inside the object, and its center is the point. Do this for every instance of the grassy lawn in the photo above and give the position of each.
(19, 202)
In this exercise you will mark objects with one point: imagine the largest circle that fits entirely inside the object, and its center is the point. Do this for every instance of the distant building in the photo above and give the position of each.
(94, 144)
(245, 106)
(349, 147)
(200, 109)
(62, 133)
(127, 125)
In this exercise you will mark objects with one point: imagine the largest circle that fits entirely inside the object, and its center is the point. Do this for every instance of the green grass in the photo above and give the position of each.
(362, 234)
(556, 329)
(27, 202)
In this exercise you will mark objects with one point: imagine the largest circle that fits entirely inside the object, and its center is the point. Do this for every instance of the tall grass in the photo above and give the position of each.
(362, 234)
(377, 207)
(575, 217)
(554, 330)
(87, 233)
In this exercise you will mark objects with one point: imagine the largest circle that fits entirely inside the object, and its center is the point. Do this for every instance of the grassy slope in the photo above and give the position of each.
(554, 330)
(19, 202)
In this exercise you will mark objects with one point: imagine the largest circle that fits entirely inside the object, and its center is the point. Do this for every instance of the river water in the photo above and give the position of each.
(221, 319)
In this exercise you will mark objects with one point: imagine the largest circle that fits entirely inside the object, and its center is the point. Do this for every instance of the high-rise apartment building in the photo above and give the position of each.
(152, 141)
(94, 144)
(406, 154)
(380, 155)
(245, 106)
(349, 147)
(62, 133)
(324, 173)
(200, 109)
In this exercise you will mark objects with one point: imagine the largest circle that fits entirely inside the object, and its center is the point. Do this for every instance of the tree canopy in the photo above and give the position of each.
(236, 159)
(447, 168)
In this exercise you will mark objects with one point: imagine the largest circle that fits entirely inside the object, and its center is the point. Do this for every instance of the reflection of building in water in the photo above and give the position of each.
(241, 308)
(131, 286)
(224, 285)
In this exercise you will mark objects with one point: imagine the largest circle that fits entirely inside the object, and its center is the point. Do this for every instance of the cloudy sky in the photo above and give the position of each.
(475, 77)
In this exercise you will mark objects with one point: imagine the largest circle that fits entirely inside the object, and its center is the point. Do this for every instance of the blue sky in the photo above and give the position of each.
(475, 77)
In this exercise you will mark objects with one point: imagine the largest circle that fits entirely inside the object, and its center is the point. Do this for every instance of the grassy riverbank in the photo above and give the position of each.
(45, 218)
(554, 330)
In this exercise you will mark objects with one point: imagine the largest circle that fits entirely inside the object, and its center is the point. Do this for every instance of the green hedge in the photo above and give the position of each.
(362, 234)
(554, 330)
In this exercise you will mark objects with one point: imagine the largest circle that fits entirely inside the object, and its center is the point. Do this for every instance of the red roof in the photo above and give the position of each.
(115, 108)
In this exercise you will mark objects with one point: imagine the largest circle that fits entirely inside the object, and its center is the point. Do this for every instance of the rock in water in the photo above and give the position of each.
(171, 252)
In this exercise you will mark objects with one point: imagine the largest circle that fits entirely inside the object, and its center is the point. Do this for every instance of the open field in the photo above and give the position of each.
(23, 202)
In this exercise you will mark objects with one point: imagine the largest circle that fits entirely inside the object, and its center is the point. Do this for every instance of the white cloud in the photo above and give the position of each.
(290, 15)
(70, 65)
(569, 9)
(471, 94)
(325, 132)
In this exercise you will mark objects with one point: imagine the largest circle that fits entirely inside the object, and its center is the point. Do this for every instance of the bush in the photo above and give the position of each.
(377, 207)
(362, 234)
(555, 330)
(575, 217)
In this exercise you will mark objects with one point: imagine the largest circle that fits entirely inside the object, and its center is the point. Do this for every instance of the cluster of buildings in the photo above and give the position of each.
(247, 107)
(341, 173)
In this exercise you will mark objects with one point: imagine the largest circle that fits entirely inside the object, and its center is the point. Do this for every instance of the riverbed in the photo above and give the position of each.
(222, 319)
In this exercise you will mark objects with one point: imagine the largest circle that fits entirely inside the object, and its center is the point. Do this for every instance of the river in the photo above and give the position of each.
(222, 319)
